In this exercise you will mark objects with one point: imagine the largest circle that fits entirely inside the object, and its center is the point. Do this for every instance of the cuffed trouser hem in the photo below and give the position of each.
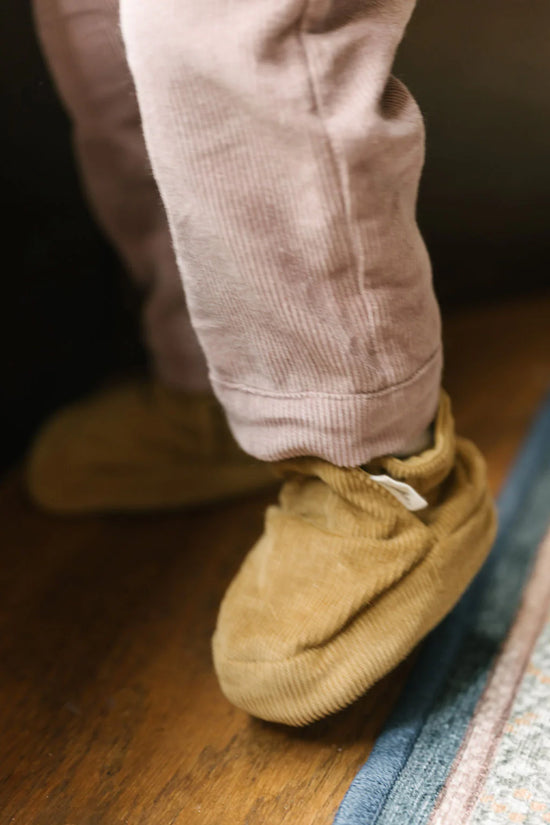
(348, 430)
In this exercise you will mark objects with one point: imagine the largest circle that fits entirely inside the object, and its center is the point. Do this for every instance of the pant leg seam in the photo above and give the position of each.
(345, 202)
(424, 367)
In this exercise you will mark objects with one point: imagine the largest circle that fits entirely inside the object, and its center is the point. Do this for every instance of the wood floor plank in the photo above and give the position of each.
(109, 709)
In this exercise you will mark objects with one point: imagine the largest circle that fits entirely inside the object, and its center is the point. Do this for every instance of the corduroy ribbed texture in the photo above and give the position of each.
(345, 581)
(288, 160)
(138, 447)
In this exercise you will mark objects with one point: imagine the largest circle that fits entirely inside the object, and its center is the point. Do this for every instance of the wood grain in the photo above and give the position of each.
(110, 713)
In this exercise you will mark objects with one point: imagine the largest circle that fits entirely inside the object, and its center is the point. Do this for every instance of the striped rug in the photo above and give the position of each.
(469, 742)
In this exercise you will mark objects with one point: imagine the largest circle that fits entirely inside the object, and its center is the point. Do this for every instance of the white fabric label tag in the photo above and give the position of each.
(403, 492)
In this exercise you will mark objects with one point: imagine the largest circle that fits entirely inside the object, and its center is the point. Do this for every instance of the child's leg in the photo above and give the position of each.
(288, 160)
(143, 445)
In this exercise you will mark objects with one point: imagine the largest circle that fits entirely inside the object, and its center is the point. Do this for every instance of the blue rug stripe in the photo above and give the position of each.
(430, 703)
(419, 783)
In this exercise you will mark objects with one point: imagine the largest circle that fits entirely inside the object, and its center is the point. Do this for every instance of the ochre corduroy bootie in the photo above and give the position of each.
(345, 580)
(139, 447)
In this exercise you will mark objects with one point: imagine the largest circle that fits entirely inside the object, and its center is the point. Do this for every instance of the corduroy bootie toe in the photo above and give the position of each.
(139, 447)
(354, 568)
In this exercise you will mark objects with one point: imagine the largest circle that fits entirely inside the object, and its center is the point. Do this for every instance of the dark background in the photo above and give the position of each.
(481, 73)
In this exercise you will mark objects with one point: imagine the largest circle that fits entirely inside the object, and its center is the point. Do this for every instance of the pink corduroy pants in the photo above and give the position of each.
(287, 159)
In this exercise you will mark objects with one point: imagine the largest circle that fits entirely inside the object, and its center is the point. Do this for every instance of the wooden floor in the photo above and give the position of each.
(109, 709)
